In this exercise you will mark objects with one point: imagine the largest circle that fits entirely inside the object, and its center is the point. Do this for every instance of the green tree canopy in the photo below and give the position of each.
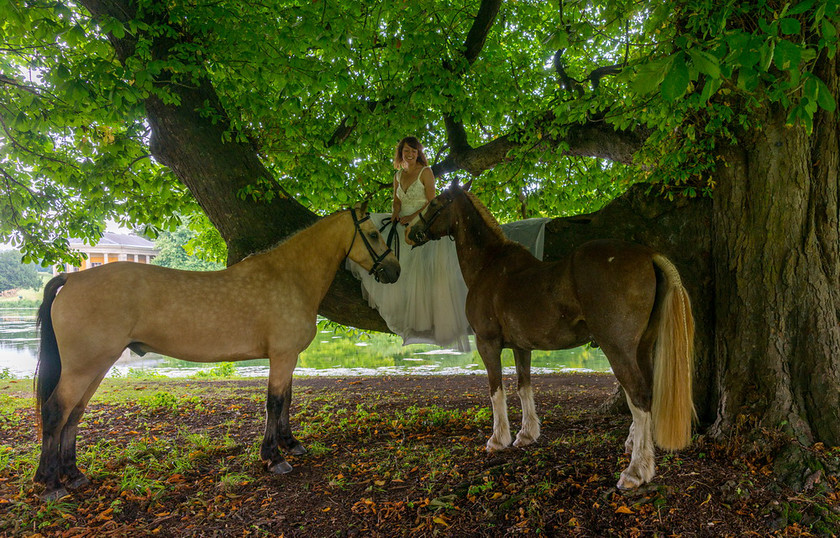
(14, 274)
(322, 92)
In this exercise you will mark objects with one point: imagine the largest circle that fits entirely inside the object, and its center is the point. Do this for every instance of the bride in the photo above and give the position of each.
(426, 304)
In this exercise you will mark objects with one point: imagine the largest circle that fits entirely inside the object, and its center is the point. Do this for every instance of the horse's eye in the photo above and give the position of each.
(373, 235)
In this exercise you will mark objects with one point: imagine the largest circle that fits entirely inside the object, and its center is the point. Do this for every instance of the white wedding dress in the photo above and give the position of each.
(426, 304)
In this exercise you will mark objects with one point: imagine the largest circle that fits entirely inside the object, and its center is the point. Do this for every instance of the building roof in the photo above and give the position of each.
(111, 239)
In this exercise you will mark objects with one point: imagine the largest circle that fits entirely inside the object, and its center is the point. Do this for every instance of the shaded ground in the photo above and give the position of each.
(390, 456)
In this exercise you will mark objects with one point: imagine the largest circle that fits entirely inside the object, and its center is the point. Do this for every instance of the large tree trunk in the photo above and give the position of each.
(775, 247)
(777, 267)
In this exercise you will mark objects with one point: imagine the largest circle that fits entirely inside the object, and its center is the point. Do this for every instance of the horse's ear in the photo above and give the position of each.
(362, 207)
(468, 185)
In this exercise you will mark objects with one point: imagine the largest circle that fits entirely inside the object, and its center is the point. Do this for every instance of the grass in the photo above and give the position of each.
(167, 402)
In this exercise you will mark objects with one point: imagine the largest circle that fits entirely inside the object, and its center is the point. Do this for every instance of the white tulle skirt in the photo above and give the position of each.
(426, 304)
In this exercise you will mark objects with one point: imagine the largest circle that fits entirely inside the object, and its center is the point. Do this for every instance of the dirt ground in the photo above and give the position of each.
(395, 456)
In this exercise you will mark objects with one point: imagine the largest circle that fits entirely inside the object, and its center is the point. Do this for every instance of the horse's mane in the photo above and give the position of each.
(488, 217)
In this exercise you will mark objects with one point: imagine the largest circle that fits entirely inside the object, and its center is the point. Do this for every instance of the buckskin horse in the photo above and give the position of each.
(623, 296)
(264, 306)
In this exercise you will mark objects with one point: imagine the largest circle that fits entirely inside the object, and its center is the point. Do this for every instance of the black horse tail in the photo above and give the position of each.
(48, 369)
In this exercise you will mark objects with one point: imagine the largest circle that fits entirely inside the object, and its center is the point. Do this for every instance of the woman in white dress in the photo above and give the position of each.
(426, 304)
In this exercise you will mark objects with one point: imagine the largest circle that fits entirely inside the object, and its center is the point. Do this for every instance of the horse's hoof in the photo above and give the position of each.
(78, 482)
(495, 446)
(524, 441)
(627, 484)
(298, 450)
(54, 495)
(281, 468)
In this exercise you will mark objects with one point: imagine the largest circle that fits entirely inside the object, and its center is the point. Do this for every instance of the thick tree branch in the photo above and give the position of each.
(482, 24)
(576, 86)
(456, 135)
(593, 139)
(597, 74)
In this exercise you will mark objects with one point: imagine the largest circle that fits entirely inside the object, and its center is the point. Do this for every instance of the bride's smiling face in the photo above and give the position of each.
(409, 155)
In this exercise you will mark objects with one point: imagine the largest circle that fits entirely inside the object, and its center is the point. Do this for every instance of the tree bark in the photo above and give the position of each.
(775, 250)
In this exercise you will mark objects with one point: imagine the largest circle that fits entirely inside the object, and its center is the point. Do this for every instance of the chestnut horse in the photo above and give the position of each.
(625, 297)
(264, 306)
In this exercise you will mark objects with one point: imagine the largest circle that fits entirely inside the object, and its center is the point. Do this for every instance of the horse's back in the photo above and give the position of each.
(121, 285)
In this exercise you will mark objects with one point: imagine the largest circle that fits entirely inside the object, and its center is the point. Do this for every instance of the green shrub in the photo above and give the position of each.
(225, 369)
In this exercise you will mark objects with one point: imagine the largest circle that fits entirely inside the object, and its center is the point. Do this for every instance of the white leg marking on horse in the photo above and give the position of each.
(530, 431)
(501, 427)
(642, 466)
(628, 444)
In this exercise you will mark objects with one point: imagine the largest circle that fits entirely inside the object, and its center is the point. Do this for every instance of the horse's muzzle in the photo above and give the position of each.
(416, 236)
(387, 273)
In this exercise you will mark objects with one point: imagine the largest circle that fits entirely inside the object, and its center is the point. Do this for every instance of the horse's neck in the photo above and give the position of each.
(313, 254)
(477, 243)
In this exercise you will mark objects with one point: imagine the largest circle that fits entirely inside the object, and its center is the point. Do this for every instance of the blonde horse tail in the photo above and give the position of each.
(673, 363)
(48, 369)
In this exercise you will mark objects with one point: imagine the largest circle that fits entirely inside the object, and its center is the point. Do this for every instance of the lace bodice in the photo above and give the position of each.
(412, 199)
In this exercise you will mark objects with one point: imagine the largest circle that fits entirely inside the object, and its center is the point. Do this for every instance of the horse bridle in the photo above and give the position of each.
(435, 215)
(377, 268)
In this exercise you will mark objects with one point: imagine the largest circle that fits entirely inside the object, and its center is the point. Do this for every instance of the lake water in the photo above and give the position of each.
(331, 353)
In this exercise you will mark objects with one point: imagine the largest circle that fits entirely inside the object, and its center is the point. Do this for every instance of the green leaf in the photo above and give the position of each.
(711, 86)
(801, 7)
(787, 55)
(676, 79)
(790, 26)
(118, 29)
(824, 96)
(828, 29)
(771, 29)
(705, 62)
(558, 40)
(748, 79)
(766, 53)
(811, 89)
(650, 75)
